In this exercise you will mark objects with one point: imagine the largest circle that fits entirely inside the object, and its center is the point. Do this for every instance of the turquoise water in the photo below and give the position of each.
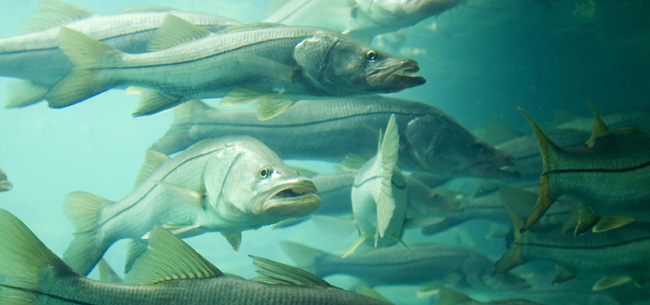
(483, 59)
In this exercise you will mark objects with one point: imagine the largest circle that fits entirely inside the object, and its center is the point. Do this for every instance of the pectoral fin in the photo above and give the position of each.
(611, 223)
(429, 289)
(184, 194)
(180, 230)
(357, 243)
(234, 239)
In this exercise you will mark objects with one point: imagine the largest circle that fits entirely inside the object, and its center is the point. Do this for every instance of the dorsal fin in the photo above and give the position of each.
(51, 13)
(275, 273)
(599, 130)
(152, 161)
(387, 155)
(169, 258)
(174, 31)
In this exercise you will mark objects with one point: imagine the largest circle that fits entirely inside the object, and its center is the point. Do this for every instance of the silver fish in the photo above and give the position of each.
(170, 272)
(430, 140)
(272, 64)
(37, 59)
(611, 174)
(421, 263)
(5, 185)
(228, 185)
(360, 19)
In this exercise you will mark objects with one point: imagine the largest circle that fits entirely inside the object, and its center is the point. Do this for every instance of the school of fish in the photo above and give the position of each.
(574, 195)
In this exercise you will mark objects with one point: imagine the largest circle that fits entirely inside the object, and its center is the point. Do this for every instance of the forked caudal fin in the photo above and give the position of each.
(23, 257)
(85, 250)
(549, 151)
(88, 56)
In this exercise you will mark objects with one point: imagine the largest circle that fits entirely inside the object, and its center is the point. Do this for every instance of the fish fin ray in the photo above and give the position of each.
(607, 282)
(387, 155)
(153, 101)
(88, 55)
(135, 249)
(234, 239)
(240, 96)
(600, 129)
(24, 93)
(23, 257)
(106, 273)
(52, 13)
(586, 220)
(371, 293)
(174, 31)
(168, 258)
(611, 223)
(152, 161)
(272, 106)
(272, 272)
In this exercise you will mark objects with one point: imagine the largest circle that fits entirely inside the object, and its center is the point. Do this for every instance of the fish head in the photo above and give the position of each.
(443, 146)
(342, 66)
(252, 187)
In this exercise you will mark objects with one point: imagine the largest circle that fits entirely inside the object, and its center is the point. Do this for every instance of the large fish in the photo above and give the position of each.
(360, 19)
(611, 173)
(609, 259)
(228, 185)
(37, 59)
(5, 185)
(170, 272)
(419, 264)
(271, 64)
(449, 296)
(430, 140)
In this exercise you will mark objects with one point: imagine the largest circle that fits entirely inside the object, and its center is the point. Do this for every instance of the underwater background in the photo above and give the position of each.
(481, 60)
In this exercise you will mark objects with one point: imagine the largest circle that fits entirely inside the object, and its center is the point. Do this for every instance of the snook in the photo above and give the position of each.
(272, 64)
(430, 140)
(37, 59)
(229, 185)
(611, 174)
(170, 272)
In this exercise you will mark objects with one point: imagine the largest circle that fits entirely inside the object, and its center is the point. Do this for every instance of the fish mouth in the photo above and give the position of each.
(396, 77)
(295, 199)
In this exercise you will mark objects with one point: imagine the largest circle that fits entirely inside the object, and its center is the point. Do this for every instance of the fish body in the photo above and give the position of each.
(37, 59)
(611, 258)
(360, 19)
(419, 264)
(610, 174)
(227, 185)
(271, 63)
(430, 140)
(170, 272)
(5, 185)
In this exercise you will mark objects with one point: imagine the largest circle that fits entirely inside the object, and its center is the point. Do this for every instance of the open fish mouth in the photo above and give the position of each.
(396, 77)
(292, 200)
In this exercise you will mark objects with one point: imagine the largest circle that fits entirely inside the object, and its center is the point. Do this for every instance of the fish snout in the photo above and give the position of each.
(294, 199)
(396, 76)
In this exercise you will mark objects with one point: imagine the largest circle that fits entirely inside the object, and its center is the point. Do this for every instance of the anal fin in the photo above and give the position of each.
(24, 93)
(153, 102)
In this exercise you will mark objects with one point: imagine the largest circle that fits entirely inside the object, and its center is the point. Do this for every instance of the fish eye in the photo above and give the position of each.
(371, 55)
(265, 172)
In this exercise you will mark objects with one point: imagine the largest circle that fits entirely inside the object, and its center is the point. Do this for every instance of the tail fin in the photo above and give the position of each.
(304, 256)
(88, 56)
(85, 250)
(23, 257)
(513, 257)
(549, 151)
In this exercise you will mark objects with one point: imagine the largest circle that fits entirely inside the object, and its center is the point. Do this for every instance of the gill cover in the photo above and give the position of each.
(312, 54)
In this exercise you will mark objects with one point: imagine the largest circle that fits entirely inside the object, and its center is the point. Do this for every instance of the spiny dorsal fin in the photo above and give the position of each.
(51, 13)
(152, 161)
(272, 272)
(169, 258)
(174, 31)
(599, 130)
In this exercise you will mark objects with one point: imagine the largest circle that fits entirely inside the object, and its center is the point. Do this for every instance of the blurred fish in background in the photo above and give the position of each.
(5, 185)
